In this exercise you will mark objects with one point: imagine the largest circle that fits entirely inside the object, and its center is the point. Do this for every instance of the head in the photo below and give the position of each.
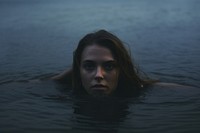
(102, 65)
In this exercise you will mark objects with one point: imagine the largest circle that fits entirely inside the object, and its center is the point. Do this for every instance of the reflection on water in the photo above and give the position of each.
(101, 116)
(37, 39)
(50, 107)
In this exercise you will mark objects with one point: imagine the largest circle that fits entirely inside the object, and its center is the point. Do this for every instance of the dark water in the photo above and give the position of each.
(37, 39)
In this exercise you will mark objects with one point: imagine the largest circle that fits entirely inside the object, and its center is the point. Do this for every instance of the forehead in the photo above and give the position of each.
(96, 53)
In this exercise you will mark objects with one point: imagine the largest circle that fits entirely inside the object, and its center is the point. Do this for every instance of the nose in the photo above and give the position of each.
(99, 73)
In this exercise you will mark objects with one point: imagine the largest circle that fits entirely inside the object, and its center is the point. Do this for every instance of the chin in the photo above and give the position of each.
(99, 94)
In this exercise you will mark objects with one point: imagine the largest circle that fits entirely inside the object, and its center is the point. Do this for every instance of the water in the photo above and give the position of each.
(37, 39)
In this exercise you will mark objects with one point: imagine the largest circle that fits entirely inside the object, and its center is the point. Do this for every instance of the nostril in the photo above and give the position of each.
(99, 73)
(98, 79)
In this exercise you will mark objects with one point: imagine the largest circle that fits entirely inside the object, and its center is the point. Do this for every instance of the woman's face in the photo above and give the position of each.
(98, 70)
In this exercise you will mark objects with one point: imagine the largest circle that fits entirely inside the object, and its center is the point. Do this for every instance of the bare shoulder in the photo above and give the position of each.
(175, 85)
(64, 77)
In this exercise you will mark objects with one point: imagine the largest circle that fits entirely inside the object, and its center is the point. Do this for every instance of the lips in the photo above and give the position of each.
(99, 87)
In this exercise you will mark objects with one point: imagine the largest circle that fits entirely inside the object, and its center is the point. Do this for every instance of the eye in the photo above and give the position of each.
(89, 66)
(109, 66)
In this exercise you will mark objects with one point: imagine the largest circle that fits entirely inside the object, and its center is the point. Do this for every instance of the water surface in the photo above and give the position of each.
(37, 39)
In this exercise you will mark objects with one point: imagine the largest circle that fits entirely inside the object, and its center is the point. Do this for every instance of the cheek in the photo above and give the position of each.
(85, 78)
(113, 78)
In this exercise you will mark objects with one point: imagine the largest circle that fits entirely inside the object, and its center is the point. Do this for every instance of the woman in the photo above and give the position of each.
(103, 66)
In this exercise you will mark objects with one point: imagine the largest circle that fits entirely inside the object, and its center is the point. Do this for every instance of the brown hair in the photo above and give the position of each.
(129, 77)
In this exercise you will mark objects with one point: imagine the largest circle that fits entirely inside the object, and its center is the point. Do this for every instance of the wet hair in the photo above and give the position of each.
(129, 78)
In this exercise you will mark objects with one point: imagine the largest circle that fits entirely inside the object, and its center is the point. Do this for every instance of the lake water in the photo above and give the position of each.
(37, 39)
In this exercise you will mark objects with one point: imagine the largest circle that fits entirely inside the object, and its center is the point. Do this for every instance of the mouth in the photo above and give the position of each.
(99, 90)
(99, 87)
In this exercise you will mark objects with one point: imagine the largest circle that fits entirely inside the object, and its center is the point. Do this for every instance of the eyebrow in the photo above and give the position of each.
(91, 61)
